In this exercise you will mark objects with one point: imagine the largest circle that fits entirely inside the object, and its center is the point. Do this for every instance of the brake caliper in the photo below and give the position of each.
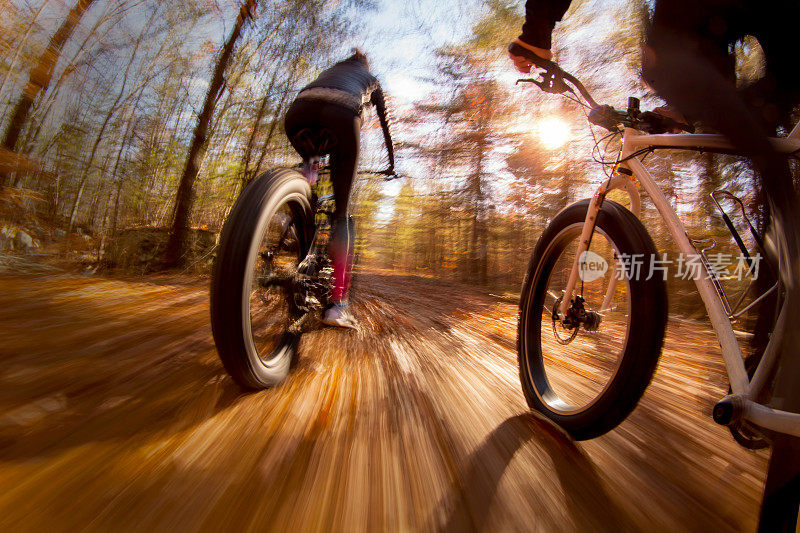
(577, 315)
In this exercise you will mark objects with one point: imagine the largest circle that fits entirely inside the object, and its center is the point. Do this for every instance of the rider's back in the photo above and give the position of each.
(348, 76)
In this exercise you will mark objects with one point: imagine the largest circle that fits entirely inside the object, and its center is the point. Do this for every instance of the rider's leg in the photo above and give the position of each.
(689, 81)
(774, 95)
(346, 126)
(771, 99)
(685, 62)
(301, 115)
(684, 67)
(779, 509)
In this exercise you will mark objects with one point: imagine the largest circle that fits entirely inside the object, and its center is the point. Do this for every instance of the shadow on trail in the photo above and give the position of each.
(472, 494)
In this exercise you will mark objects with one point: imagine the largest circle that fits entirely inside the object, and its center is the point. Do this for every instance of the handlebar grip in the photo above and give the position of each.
(546, 64)
(661, 123)
(606, 117)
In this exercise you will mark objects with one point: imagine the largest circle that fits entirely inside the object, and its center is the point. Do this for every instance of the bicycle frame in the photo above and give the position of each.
(744, 390)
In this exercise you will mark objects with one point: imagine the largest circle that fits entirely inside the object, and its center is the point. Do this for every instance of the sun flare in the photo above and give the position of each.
(553, 132)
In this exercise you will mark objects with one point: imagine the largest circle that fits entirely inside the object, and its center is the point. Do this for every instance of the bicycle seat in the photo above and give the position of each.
(313, 142)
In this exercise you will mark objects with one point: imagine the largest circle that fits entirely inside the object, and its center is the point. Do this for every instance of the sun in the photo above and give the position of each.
(553, 132)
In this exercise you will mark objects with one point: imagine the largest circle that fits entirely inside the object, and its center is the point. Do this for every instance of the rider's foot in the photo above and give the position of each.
(339, 315)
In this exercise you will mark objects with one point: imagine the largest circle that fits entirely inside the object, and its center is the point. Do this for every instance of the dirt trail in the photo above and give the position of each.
(115, 414)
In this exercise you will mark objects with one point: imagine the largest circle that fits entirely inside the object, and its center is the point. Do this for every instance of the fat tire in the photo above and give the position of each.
(648, 317)
(245, 225)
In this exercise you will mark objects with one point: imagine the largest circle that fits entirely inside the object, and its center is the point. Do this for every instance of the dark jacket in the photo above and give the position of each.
(540, 19)
(352, 77)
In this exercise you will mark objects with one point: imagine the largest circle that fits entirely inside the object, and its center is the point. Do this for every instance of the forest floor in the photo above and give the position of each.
(116, 414)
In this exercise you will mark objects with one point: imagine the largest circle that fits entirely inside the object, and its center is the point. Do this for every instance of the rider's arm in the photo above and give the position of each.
(377, 99)
(540, 19)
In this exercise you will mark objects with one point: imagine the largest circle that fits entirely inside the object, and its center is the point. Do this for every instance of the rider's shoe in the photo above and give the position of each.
(339, 315)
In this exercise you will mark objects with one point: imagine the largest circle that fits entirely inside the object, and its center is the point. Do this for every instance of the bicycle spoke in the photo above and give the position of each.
(271, 306)
(580, 363)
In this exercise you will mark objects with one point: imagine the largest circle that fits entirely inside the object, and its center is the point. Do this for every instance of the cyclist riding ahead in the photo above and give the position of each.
(687, 60)
(326, 118)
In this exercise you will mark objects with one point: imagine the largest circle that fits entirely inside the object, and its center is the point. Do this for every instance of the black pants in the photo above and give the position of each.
(688, 63)
(692, 39)
(345, 126)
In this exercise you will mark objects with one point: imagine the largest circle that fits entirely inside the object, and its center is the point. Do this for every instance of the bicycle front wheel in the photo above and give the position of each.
(254, 284)
(587, 369)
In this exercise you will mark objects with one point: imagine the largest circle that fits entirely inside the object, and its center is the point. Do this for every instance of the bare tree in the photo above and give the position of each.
(185, 195)
(40, 77)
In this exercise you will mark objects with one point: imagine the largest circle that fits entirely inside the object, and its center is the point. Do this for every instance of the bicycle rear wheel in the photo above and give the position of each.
(587, 370)
(255, 282)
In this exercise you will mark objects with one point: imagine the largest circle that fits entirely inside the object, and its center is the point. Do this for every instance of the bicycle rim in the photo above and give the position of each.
(575, 367)
(268, 307)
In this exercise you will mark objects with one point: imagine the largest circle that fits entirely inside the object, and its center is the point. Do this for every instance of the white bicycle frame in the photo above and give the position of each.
(744, 390)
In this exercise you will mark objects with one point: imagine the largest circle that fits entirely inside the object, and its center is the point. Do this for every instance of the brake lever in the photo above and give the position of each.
(549, 83)
(554, 80)
(553, 84)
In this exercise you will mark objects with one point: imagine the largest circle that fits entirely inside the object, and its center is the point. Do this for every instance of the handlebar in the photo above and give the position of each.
(388, 173)
(555, 80)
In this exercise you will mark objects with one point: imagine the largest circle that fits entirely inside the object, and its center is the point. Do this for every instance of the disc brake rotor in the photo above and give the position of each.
(557, 324)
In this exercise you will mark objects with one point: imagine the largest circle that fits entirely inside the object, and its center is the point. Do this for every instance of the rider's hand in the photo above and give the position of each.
(670, 112)
(522, 64)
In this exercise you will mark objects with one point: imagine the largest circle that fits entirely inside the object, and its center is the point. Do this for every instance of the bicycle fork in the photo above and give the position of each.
(621, 180)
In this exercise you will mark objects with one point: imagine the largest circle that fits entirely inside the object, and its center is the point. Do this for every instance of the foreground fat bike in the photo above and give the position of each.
(593, 308)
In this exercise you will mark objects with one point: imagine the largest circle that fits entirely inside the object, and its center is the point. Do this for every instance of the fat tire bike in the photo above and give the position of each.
(592, 315)
(271, 277)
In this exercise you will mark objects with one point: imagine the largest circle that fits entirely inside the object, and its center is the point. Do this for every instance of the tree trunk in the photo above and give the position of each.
(103, 225)
(40, 77)
(262, 110)
(157, 138)
(98, 193)
(52, 97)
(183, 199)
(112, 110)
(23, 44)
(477, 239)
(247, 175)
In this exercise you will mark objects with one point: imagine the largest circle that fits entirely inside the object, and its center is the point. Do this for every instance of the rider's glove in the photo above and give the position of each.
(522, 64)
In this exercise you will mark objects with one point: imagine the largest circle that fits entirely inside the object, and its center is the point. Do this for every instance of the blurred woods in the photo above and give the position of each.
(120, 115)
(131, 118)
(494, 170)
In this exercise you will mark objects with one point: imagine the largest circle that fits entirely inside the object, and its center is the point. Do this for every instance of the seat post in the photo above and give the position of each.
(310, 169)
